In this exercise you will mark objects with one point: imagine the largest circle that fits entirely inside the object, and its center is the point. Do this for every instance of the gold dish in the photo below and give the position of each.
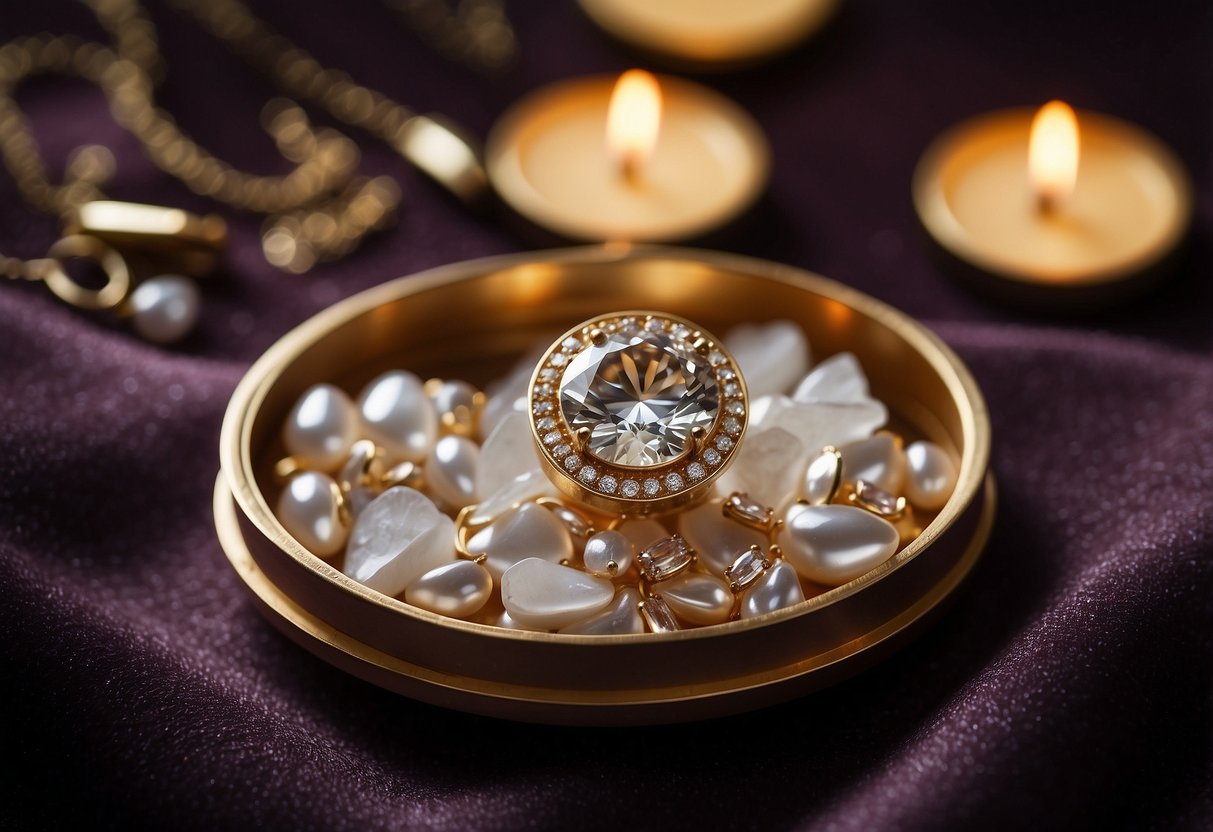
(472, 320)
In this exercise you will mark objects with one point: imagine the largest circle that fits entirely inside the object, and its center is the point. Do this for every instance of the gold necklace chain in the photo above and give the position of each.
(319, 210)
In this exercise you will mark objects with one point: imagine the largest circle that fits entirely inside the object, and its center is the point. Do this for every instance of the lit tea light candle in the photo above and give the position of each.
(711, 32)
(638, 160)
(1054, 204)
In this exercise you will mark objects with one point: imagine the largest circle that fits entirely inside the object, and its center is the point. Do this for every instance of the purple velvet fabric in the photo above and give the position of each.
(1069, 685)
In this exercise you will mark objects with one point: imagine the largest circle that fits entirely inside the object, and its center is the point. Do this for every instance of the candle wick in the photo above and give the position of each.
(1046, 203)
(629, 167)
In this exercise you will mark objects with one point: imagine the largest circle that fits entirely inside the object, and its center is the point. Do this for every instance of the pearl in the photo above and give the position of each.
(529, 531)
(700, 599)
(779, 587)
(164, 309)
(717, 539)
(620, 618)
(399, 416)
(605, 549)
(839, 379)
(455, 403)
(456, 589)
(834, 544)
(932, 475)
(521, 489)
(310, 510)
(538, 593)
(507, 453)
(398, 538)
(877, 460)
(450, 471)
(822, 477)
(321, 428)
(771, 356)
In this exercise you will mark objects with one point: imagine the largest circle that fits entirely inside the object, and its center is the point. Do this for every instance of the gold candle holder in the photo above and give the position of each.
(471, 320)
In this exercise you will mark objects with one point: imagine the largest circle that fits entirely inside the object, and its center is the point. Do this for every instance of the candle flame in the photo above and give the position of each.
(1053, 154)
(633, 119)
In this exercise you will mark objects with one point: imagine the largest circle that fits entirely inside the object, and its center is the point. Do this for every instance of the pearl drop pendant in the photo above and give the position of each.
(164, 309)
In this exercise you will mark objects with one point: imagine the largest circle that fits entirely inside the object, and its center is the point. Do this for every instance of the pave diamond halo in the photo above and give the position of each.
(649, 409)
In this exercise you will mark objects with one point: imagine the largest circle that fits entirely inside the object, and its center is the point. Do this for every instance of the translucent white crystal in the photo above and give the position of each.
(399, 537)
(818, 424)
(528, 531)
(772, 356)
(507, 453)
(521, 489)
(768, 466)
(539, 593)
(620, 618)
(839, 379)
(717, 539)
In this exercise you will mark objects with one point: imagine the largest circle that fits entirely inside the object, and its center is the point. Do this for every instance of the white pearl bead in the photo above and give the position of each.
(321, 428)
(399, 416)
(932, 475)
(456, 589)
(779, 587)
(450, 471)
(717, 539)
(620, 618)
(606, 548)
(538, 593)
(164, 309)
(821, 478)
(529, 531)
(309, 509)
(700, 599)
(834, 544)
(877, 460)
(396, 539)
(455, 401)
(508, 453)
(771, 356)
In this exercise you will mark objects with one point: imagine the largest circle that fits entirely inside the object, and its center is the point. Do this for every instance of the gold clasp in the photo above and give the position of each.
(185, 242)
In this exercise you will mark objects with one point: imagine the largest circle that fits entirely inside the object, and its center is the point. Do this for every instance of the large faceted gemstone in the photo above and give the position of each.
(640, 394)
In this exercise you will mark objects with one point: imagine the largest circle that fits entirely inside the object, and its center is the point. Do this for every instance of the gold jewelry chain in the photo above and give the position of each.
(319, 210)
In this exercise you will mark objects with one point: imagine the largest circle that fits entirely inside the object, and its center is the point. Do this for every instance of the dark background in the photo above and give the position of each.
(1068, 686)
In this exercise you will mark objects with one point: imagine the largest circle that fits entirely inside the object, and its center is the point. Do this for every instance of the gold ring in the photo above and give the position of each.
(637, 412)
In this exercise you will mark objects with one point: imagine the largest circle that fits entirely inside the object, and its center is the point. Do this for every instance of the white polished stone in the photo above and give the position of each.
(399, 537)
(539, 593)
(321, 428)
(621, 617)
(931, 475)
(450, 471)
(768, 467)
(508, 453)
(457, 589)
(838, 380)
(834, 544)
(506, 621)
(877, 460)
(521, 489)
(772, 356)
(605, 549)
(643, 532)
(399, 416)
(716, 538)
(528, 531)
(309, 509)
(818, 424)
(697, 598)
(164, 309)
(778, 587)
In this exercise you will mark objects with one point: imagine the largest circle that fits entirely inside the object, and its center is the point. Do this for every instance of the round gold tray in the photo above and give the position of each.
(472, 320)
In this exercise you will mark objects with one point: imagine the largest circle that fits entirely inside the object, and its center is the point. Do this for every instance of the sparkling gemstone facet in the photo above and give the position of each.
(657, 615)
(665, 558)
(749, 512)
(640, 395)
(746, 569)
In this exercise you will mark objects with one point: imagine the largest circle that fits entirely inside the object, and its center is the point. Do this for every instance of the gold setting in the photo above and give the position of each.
(635, 490)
